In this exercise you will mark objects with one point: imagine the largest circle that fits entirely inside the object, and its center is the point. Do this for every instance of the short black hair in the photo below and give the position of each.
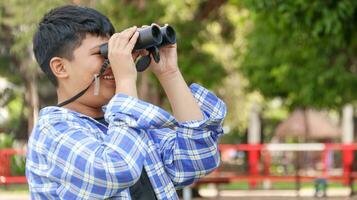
(62, 30)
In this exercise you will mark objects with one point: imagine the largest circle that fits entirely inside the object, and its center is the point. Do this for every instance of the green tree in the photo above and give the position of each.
(302, 51)
(18, 20)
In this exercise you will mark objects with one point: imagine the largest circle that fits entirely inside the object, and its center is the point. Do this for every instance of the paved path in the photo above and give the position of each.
(26, 197)
(14, 196)
(21, 196)
(278, 198)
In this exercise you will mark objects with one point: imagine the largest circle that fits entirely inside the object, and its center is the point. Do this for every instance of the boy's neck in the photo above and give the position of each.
(93, 112)
(84, 109)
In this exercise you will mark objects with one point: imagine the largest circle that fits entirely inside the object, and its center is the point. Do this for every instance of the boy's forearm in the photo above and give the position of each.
(183, 104)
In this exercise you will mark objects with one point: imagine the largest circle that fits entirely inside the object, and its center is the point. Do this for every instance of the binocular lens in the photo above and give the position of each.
(168, 35)
(148, 37)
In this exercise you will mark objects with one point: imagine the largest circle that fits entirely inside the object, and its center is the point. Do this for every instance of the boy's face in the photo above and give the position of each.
(86, 63)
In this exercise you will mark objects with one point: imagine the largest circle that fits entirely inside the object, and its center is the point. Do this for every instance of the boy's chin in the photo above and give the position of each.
(100, 100)
(107, 97)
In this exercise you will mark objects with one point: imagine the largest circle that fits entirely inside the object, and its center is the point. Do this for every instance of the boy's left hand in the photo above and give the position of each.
(168, 61)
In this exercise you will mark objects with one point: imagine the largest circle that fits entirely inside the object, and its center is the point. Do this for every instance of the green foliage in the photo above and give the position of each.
(15, 107)
(18, 165)
(234, 137)
(6, 141)
(19, 19)
(303, 51)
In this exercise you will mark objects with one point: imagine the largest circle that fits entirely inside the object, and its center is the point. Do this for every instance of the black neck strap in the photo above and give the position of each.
(102, 70)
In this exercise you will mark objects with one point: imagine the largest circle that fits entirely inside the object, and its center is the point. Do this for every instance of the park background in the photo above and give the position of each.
(273, 62)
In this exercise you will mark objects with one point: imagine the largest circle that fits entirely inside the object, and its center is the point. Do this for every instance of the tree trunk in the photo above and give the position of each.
(32, 102)
(206, 8)
(143, 88)
(147, 90)
(30, 75)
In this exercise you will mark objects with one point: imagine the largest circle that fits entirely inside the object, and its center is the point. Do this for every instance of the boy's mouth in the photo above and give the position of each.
(108, 77)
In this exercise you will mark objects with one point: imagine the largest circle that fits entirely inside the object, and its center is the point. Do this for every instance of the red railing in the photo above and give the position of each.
(260, 154)
(254, 174)
(5, 167)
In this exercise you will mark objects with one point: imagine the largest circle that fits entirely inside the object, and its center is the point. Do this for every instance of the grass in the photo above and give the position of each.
(12, 188)
(279, 185)
(23, 188)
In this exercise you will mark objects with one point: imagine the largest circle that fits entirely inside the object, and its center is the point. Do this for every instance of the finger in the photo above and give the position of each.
(143, 52)
(155, 24)
(128, 33)
(138, 53)
(112, 40)
(171, 45)
(123, 38)
(117, 40)
(143, 27)
(132, 41)
(127, 36)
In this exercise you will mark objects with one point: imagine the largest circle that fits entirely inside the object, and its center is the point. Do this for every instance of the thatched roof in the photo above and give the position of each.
(310, 124)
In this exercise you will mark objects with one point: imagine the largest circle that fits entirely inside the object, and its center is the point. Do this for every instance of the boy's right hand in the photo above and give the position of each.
(120, 47)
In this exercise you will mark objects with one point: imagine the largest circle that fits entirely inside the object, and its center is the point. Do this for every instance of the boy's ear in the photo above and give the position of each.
(58, 67)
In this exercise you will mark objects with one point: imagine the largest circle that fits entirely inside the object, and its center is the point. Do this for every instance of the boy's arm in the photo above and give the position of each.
(183, 104)
(189, 149)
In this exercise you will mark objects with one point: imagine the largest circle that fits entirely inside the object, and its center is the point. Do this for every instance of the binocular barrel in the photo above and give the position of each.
(168, 36)
(152, 36)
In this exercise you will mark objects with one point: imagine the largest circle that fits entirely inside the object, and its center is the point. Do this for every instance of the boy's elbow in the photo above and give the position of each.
(210, 163)
(191, 174)
(209, 166)
(130, 176)
(117, 178)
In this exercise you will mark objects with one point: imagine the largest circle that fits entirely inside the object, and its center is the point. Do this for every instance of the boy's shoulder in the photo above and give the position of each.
(60, 118)
(51, 114)
(54, 123)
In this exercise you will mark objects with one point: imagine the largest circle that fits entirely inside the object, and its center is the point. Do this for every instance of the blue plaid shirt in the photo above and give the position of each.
(70, 157)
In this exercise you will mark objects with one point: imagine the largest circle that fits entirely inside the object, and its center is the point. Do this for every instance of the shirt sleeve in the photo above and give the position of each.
(84, 166)
(188, 149)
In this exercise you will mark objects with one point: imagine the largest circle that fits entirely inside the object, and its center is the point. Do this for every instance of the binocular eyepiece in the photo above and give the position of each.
(150, 38)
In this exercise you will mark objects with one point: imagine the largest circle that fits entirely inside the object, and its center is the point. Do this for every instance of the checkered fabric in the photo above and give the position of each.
(70, 157)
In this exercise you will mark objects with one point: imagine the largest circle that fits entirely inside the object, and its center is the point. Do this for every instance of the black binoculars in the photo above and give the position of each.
(150, 38)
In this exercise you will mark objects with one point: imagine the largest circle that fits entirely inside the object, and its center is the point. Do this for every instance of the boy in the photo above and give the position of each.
(127, 149)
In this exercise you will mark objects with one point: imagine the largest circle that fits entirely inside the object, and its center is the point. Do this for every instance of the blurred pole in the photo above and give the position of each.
(254, 128)
(347, 138)
(254, 131)
(347, 124)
